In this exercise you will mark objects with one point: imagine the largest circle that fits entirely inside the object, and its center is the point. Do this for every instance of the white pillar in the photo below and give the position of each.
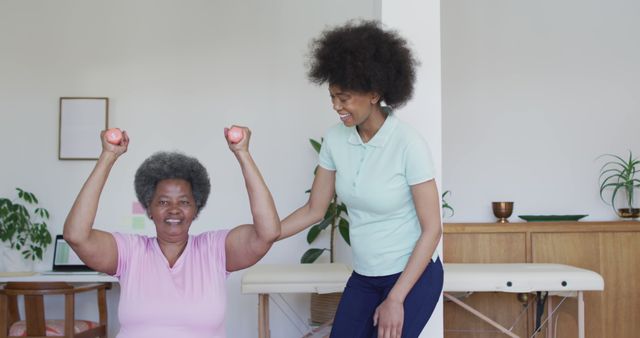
(419, 22)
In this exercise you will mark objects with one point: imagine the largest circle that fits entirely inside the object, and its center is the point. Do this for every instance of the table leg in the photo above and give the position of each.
(263, 316)
(4, 315)
(550, 317)
(580, 314)
(480, 315)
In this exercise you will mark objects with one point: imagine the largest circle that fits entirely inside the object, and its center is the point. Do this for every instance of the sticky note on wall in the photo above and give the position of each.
(137, 222)
(139, 216)
(137, 209)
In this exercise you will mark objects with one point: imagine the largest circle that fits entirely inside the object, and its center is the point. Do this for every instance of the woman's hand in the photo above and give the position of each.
(117, 149)
(242, 144)
(389, 317)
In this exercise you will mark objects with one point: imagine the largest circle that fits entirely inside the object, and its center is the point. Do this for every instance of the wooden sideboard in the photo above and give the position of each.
(610, 248)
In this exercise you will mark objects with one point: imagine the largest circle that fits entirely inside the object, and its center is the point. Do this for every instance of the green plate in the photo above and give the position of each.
(551, 218)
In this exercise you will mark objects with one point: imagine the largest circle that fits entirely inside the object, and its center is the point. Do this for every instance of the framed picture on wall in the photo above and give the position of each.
(81, 121)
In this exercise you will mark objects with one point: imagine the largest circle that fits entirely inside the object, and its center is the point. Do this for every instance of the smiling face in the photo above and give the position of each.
(354, 108)
(172, 209)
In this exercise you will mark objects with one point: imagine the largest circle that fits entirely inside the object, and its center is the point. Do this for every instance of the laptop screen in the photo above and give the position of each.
(65, 259)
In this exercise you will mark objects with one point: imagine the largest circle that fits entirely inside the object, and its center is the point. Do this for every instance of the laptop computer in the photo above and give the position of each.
(65, 260)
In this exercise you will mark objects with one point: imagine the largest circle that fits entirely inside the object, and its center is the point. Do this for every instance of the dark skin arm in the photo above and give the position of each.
(96, 248)
(246, 244)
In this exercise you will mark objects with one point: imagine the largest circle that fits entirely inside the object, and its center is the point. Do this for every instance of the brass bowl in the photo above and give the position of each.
(502, 210)
(629, 213)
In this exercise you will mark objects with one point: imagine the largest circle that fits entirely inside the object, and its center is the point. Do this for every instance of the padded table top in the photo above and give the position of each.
(481, 277)
(295, 278)
(519, 278)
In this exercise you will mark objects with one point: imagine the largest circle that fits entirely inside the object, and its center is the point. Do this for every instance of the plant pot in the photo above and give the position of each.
(631, 213)
(323, 307)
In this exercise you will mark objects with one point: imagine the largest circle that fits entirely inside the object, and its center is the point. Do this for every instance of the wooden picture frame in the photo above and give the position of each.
(81, 121)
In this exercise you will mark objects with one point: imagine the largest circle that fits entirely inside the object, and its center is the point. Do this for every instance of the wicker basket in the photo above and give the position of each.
(323, 307)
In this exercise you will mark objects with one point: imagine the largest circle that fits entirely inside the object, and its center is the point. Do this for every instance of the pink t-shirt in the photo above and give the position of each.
(187, 300)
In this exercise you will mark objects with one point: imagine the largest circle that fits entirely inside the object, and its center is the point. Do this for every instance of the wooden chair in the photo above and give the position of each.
(35, 324)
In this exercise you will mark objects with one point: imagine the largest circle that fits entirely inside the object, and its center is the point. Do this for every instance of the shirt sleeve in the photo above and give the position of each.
(419, 165)
(124, 243)
(325, 159)
(216, 242)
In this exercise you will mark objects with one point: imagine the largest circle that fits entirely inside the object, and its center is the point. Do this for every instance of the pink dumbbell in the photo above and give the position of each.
(235, 134)
(114, 136)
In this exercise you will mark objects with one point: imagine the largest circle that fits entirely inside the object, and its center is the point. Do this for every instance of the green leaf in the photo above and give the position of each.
(325, 223)
(311, 255)
(316, 145)
(313, 233)
(47, 236)
(448, 207)
(332, 210)
(33, 198)
(342, 208)
(445, 204)
(43, 213)
(316, 229)
(343, 228)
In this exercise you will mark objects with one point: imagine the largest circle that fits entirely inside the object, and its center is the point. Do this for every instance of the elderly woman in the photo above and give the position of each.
(172, 285)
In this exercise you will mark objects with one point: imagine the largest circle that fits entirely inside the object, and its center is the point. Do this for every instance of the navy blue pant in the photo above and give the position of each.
(362, 295)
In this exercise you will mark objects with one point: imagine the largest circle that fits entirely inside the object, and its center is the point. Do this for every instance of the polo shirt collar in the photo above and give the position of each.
(380, 138)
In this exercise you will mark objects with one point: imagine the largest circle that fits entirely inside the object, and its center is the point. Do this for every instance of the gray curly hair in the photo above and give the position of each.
(170, 165)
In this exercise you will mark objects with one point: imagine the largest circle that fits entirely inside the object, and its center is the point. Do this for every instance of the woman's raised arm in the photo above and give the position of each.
(248, 243)
(95, 248)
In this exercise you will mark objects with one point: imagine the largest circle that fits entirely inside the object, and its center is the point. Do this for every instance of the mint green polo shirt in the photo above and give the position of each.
(374, 181)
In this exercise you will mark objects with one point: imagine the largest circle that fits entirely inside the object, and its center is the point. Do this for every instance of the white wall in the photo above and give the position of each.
(176, 73)
(533, 93)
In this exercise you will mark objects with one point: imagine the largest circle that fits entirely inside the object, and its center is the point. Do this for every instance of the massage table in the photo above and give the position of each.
(554, 279)
(521, 278)
(265, 279)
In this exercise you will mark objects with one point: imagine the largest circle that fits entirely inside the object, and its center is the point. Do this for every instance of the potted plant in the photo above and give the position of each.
(621, 175)
(323, 306)
(23, 226)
